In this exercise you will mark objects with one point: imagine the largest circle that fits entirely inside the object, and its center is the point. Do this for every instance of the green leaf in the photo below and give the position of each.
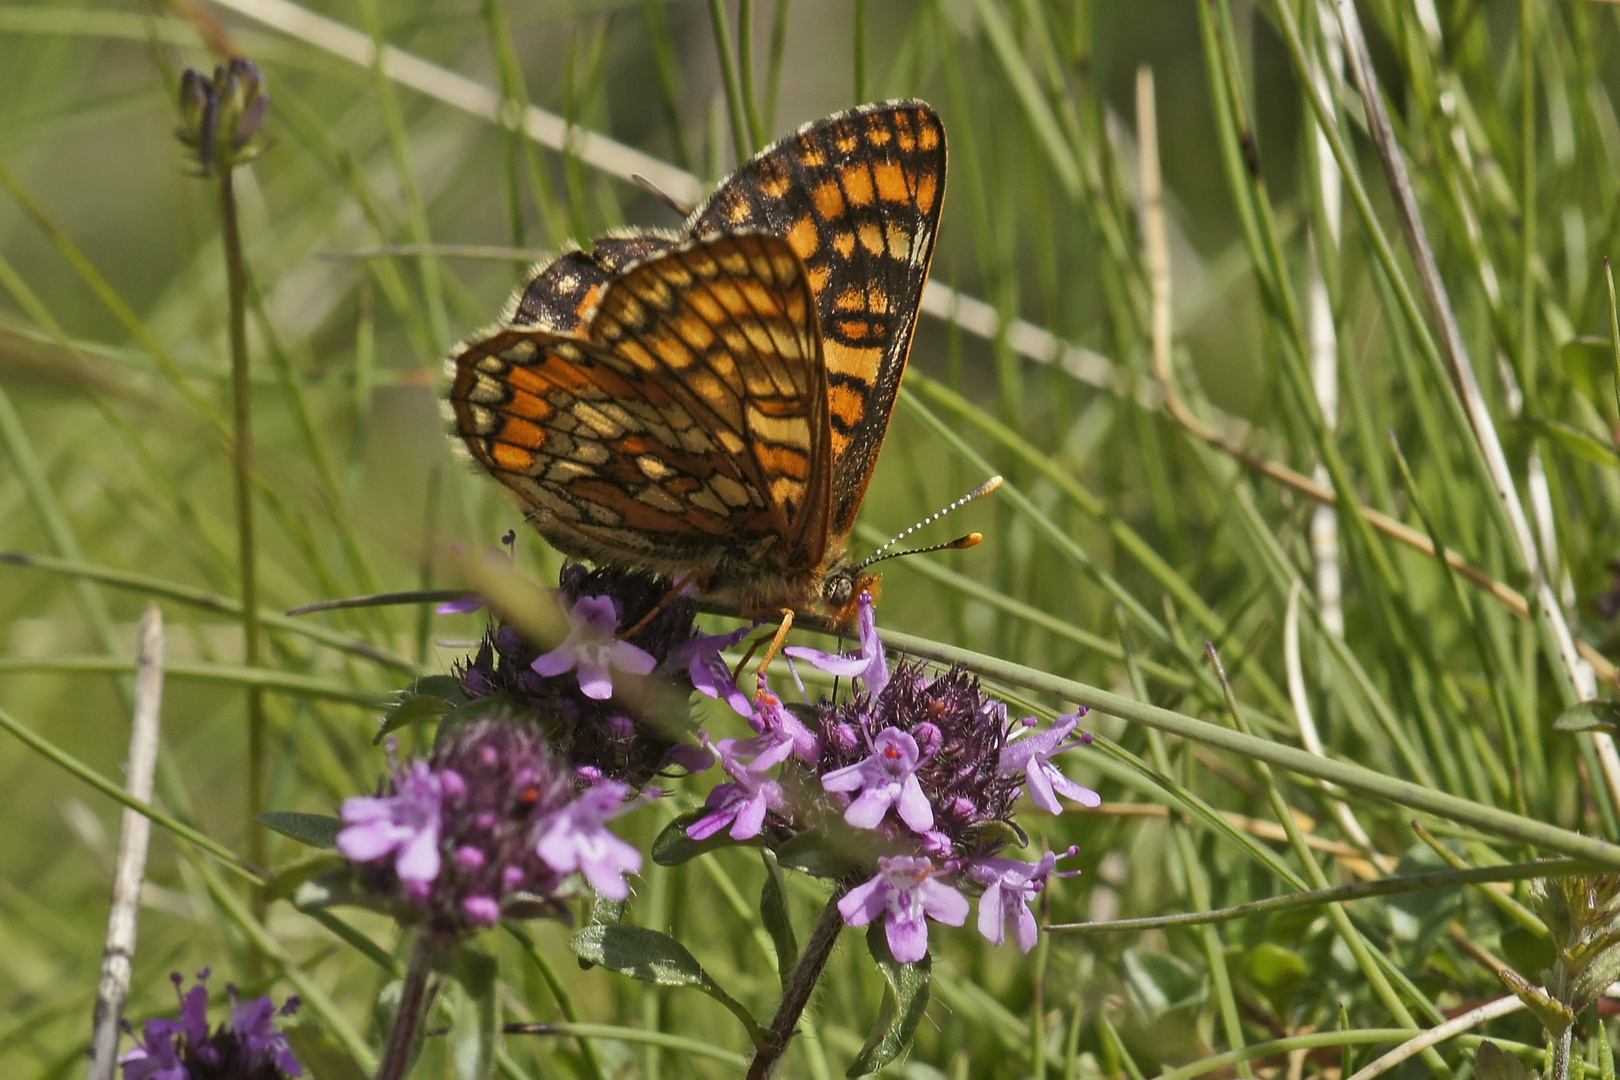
(1494, 1063)
(673, 847)
(816, 854)
(656, 958)
(1527, 950)
(1554, 1015)
(447, 687)
(1159, 983)
(316, 830)
(286, 881)
(477, 1014)
(773, 912)
(1271, 965)
(413, 710)
(642, 954)
(1582, 444)
(1589, 716)
(905, 1000)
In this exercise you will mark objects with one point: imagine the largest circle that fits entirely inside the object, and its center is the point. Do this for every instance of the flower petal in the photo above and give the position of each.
(908, 938)
(865, 902)
(555, 662)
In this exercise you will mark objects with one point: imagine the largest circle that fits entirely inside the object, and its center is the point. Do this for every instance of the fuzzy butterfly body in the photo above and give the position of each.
(714, 399)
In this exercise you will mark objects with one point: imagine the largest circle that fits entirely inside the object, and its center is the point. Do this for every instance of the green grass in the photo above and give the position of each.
(1123, 542)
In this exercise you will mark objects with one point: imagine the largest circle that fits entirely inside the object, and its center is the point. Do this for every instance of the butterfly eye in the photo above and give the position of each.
(838, 589)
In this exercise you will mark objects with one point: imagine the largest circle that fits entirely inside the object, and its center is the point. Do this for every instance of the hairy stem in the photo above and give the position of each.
(797, 995)
(242, 464)
(412, 1001)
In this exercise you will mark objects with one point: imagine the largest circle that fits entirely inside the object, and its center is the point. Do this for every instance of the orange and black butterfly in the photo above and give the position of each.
(714, 400)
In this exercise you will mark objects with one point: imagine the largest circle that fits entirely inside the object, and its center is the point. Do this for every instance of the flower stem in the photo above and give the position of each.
(242, 463)
(814, 959)
(412, 997)
(1560, 1054)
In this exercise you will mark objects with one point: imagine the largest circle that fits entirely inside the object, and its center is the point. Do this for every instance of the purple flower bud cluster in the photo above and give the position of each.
(925, 771)
(222, 119)
(487, 822)
(247, 1047)
(615, 707)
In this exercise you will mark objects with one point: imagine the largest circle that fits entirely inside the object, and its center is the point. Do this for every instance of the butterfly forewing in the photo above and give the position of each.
(858, 196)
(686, 429)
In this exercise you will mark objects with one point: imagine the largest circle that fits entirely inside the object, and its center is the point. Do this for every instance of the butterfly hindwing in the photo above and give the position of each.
(686, 429)
(858, 196)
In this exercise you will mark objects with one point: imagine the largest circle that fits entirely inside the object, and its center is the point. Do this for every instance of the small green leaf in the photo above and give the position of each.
(1526, 950)
(1159, 983)
(1554, 1015)
(641, 954)
(477, 1014)
(287, 880)
(1494, 1063)
(1272, 966)
(813, 853)
(905, 1000)
(1589, 716)
(438, 686)
(773, 912)
(656, 958)
(413, 710)
(673, 847)
(316, 830)
(1582, 444)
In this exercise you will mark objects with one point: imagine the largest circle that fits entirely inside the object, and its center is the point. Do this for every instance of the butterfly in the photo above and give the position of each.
(713, 400)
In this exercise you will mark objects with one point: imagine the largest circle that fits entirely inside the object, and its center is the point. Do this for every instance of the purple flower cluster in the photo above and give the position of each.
(612, 702)
(248, 1047)
(925, 771)
(487, 822)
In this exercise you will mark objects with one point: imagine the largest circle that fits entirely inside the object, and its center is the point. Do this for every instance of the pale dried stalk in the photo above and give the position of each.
(1324, 334)
(130, 870)
(1455, 1026)
(1463, 374)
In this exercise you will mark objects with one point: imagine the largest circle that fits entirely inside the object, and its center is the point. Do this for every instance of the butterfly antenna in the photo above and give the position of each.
(662, 196)
(960, 542)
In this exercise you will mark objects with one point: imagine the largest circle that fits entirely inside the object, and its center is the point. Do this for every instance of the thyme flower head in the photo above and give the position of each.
(248, 1046)
(612, 696)
(487, 825)
(913, 780)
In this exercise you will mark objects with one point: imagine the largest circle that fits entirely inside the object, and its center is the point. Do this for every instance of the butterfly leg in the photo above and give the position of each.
(776, 642)
(669, 598)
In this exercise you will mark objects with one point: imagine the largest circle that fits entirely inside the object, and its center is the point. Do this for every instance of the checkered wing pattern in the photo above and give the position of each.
(858, 197)
(686, 428)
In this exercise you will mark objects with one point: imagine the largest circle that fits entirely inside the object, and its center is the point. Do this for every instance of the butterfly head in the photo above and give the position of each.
(841, 590)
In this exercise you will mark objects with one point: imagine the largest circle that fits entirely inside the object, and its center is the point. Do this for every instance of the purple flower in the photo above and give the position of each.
(905, 890)
(249, 1047)
(1033, 757)
(1009, 886)
(868, 665)
(886, 778)
(485, 792)
(707, 669)
(576, 838)
(772, 719)
(405, 824)
(742, 804)
(592, 646)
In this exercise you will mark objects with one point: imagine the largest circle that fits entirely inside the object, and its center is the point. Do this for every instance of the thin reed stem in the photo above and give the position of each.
(247, 546)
